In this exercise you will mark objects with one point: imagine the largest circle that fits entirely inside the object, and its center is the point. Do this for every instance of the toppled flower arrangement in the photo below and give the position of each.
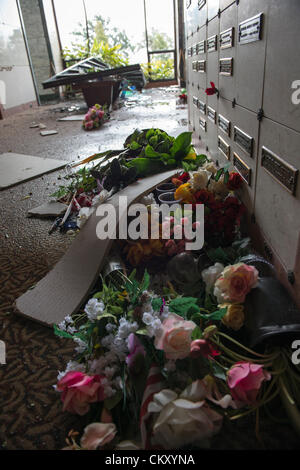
(165, 371)
(94, 118)
(163, 366)
(145, 152)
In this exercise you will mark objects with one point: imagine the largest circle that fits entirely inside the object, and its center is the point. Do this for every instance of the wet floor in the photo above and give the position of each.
(157, 107)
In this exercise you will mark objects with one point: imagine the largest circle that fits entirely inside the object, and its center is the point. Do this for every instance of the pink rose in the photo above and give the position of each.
(136, 353)
(244, 380)
(100, 114)
(174, 337)
(203, 347)
(88, 125)
(87, 117)
(235, 282)
(79, 390)
(98, 435)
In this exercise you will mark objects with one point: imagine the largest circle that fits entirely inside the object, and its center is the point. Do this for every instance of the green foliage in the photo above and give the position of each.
(183, 305)
(159, 69)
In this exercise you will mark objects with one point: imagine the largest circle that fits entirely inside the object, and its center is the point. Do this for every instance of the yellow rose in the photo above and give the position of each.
(234, 317)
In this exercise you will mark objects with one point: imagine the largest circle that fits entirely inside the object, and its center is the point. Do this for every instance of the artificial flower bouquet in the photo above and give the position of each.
(94, 118)
(209, 186)
(160, 370)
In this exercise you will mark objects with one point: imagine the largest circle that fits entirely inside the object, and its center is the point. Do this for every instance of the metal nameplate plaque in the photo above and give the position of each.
(224, 147)
(212, 43)
(279, 169)
(194, 65)
(200, 47)
(243, 140)
(194, 49)
(242, 168)
(201, 66)
(251, 30)
(211, 114)
(226, 66)
(226, 38)
(224, 124)
(190, 51)
(195, 101)
(202, 107)
(202, 124)
(201, 4)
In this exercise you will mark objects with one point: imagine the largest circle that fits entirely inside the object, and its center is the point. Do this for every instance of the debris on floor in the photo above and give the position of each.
(49, 209)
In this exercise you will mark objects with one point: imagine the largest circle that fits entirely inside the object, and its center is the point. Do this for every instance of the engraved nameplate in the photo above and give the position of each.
(211, 114)
(201, 4)
(201, 66)
(279, 169)
(226, 66)
(202, 124)
(224, 124)
(250, 30)
(202, 107)
(194, 65)
(200, 47)
(212, 43)
(194, 49)
(224, 147)
(244, 140)
(190, 51)
(195, 101)
(226, 38)
(242, 168)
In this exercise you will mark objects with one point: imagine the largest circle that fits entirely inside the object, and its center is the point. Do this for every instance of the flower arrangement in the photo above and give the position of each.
(169, 362)
(94, 118)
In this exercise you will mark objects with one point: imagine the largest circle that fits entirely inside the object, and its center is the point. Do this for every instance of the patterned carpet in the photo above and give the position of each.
(30, 410)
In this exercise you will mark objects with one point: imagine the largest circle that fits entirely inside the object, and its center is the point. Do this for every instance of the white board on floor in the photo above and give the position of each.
(16, 168)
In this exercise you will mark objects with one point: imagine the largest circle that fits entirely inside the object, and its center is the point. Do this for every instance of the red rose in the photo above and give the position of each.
(204, 197)
(213, 90)
(235, 181)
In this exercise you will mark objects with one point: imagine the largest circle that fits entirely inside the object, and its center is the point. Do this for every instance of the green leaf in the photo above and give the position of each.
(197, 333)
(150, 152)
(107, 315)
(217, 315)
(181, 143)
(61, 333)
(218, 371)
(134, 145)
(182, 305)
(157, 303)
(219, 174)
(142, 331)
(146, 281)
(226, 177)
(145, 166)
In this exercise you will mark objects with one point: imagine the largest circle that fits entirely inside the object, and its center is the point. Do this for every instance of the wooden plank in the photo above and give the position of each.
(64, 289)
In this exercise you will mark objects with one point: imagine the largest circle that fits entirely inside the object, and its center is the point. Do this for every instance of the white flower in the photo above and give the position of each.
(71, 330)
(211, 167)
(83, 216)
(100, 197)
(211, 274)
(94, 308)
(82, 345)
(62, 326)
(148, 200)
(147, 318)
(220, 295)
(218, 187)
(200, 179)
(110, 327)
(69, 319)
